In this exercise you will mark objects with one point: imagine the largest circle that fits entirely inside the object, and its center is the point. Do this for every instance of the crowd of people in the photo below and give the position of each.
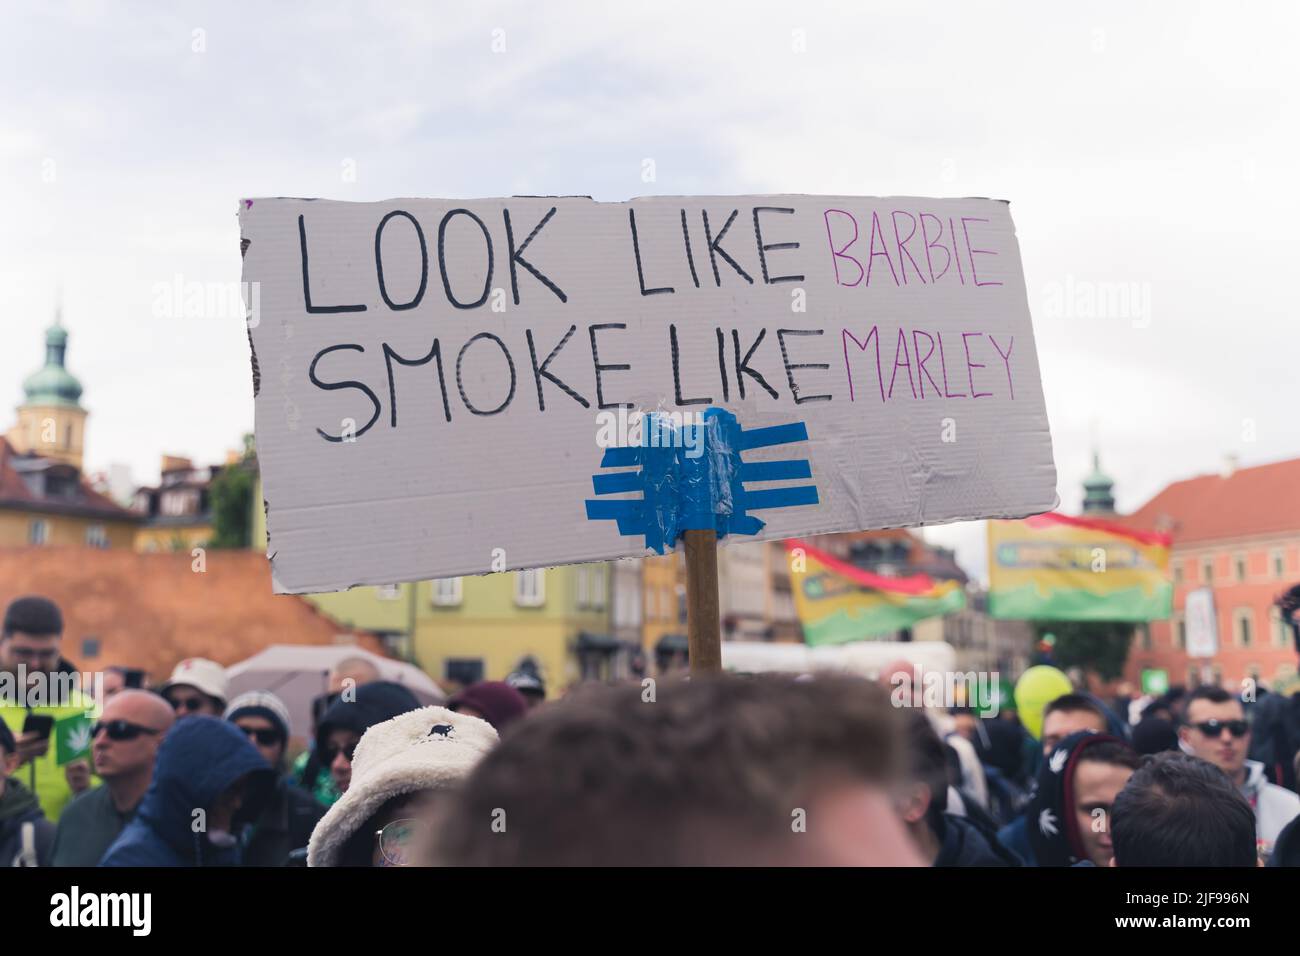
(739, 770)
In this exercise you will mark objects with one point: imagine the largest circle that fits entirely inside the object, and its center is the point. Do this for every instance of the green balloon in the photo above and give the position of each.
(1038, 687)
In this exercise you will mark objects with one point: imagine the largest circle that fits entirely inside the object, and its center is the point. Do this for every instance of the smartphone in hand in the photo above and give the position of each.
(39, 724)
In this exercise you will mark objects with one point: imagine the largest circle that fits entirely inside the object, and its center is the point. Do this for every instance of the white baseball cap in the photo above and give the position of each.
(200, 673)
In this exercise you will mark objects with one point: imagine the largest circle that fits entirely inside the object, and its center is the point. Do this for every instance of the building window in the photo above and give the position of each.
(463, 670)
(598, 588)
(1278, 626)
(632, 602)
(388, 592)
(178, 503)
(1207, 570)
(1239, 562)
(1144, 636)
(96, 536)
(447, 592)
(1178, 572)
(1180, 633)
(1242, 625)
(1279, 563)
(90, 647)
(1193, 677)
(530, 587)
(581, 585)
(38, 532)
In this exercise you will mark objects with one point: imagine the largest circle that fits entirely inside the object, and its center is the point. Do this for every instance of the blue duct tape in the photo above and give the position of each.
(616, 483)
(692, 477)
(774, 470)
(618, 457)
(773, 435)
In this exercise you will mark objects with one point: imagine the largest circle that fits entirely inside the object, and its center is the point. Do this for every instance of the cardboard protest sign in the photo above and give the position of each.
(448, 387)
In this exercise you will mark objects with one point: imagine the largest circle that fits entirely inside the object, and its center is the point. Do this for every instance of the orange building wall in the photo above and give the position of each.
(1274, 662)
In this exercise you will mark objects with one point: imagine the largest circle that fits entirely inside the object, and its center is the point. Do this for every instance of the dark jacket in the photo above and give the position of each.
(199, 760)
(284, 826)
(87, 828)
(962, 843)
(1286, 851)
(1015, 837)
(1275, 737)
(19, 808)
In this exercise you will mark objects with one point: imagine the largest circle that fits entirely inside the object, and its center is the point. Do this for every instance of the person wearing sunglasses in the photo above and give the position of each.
(197, 686)
(291, 813)
(349, 717)
(400, 777)
(1216, 730)
(124, 746)
(209, 784)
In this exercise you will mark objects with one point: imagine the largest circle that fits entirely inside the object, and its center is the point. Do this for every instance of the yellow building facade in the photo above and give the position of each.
(20, 527)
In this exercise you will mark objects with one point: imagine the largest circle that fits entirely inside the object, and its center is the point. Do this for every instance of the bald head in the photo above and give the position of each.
(358, 670)
(133, 725)
(141, 707)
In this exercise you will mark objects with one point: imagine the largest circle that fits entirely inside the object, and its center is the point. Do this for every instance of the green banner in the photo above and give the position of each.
(72, 739)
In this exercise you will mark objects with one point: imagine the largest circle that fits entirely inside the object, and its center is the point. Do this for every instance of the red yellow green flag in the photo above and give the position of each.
(838, 603)
(1053, 567)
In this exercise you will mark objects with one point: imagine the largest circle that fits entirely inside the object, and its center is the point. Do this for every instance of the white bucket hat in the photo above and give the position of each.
(202, 674)
(432, 748)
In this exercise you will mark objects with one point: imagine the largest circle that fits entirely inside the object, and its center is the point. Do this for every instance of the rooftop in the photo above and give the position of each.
(1246, 502)
(153, 610)
(35, 483)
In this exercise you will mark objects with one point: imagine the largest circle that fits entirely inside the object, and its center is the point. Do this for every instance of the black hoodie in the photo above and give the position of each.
(198, 761)
(1050, 818)
(374, 703)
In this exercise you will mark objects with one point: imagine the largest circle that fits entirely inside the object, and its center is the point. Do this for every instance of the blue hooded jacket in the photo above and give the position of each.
(199, 759)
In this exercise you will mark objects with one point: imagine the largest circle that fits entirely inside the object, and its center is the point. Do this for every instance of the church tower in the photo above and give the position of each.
(1098, 496)
(51, 421)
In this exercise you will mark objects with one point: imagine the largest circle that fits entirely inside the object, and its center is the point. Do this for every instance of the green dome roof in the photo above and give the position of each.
(1097, 487)
(53, 384)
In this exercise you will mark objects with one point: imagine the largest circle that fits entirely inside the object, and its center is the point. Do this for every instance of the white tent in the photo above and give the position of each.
(299, 673)
(864, 658)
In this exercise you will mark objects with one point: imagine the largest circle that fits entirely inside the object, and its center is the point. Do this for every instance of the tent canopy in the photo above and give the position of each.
(298, 674)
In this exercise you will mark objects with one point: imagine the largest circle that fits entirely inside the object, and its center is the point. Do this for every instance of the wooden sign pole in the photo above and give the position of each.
(703, 632)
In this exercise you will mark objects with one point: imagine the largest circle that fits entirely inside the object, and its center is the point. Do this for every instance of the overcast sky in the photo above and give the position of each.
(1145, 149)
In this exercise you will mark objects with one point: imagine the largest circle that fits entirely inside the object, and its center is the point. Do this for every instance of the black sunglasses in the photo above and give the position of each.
(188, 704)
(265, 736)
(1214, 728)
(119, 729)
(330, 754)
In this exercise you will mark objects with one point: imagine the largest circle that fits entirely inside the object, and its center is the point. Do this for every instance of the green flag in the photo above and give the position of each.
(72, 738)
